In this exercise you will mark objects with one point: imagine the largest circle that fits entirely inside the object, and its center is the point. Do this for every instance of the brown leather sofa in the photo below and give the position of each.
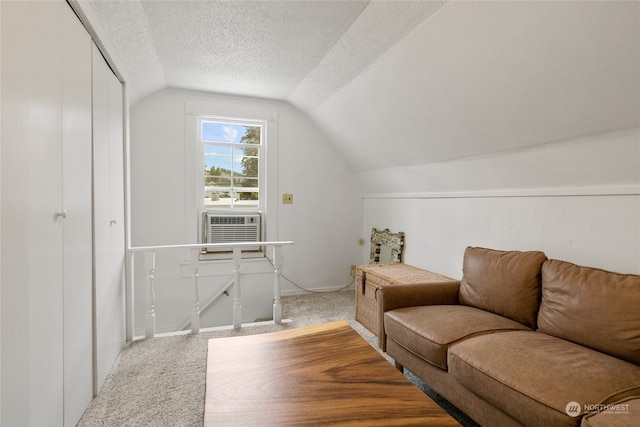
(522, 340)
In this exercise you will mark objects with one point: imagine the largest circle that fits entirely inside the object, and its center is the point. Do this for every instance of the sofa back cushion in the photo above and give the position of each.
(592, 307)
(503, 282)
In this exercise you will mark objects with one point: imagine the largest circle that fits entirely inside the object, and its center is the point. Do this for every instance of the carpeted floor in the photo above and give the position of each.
(161, 381)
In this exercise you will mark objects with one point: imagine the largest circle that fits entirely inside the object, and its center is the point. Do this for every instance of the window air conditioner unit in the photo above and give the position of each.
(232, 228)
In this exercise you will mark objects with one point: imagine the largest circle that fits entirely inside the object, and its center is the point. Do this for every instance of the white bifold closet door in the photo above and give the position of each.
(77, 233)
(108, 191)
(47, 337)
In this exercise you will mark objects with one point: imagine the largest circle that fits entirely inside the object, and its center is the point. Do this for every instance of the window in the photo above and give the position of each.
(232, 155)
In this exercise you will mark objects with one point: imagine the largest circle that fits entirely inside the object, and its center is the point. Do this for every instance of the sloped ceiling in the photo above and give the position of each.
(396, 83)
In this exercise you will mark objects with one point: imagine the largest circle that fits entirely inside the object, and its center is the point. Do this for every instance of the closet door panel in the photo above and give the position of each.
(14, 289)
(31, 232)
(108, 221)
(47, 369)
(77, 245)
(101, 216)
(43, 134)
(116, 204)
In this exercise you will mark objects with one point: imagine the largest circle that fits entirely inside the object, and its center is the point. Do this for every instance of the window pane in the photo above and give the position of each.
(244, 181)
(222, 132)
(248, 166)
(217, 181)
(218, 163)
(230, 133)
(231, 161)
(250, 134)
(248, 199)
(218, 160)
(217, 200)
(212, 131)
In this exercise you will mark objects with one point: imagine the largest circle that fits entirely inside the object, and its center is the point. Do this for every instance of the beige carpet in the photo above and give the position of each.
(161, 381)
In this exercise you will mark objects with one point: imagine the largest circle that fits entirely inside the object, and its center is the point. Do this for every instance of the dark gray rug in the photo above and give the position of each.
(456, 413)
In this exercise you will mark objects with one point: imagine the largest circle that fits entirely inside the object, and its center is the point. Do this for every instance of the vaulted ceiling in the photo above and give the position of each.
(395, 83)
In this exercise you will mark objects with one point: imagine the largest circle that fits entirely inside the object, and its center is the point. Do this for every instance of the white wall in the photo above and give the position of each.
(485, 76)
(324, 221)
(576, 200)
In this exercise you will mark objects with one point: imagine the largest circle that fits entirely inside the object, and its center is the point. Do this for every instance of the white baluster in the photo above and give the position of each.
(131, 285)
(150, 266)
(237, 306)
(277, 261)
(195, 311)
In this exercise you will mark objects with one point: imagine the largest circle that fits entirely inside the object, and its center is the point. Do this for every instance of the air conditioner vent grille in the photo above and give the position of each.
(234, 234)
(229, 228)
(227, 219)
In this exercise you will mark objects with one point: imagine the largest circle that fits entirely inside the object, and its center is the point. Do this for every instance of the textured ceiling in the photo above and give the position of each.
(269, 49)
(397, 83)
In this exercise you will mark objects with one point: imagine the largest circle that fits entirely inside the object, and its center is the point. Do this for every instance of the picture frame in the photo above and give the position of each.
(386, 247)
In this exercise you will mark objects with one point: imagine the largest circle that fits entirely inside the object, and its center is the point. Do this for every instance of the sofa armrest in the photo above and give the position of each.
(398, 296)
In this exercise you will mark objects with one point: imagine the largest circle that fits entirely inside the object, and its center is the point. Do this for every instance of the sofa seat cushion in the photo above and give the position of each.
(429, 330)
(623, 413)
(535, 377)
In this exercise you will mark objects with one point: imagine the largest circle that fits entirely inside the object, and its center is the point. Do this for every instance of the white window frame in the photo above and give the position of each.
(225, 107)
(262, 150)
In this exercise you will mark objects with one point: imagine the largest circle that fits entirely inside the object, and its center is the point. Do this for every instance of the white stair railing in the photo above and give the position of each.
(237, 303)
(195, 310)
(196, 249)
(150, 318)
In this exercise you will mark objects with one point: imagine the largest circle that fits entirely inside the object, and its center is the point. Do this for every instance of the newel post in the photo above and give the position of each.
(237, 306)
(277, 261)
(195, 310)
(150, 319)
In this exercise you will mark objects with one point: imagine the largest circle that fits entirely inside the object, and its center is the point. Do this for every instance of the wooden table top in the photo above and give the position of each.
(316, 375)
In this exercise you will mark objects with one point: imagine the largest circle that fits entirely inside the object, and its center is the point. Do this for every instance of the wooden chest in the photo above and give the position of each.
(370, 277)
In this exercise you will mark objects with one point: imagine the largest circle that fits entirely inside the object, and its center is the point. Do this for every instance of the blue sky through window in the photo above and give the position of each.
(223, 156)
(220, 155)
(222, 132)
